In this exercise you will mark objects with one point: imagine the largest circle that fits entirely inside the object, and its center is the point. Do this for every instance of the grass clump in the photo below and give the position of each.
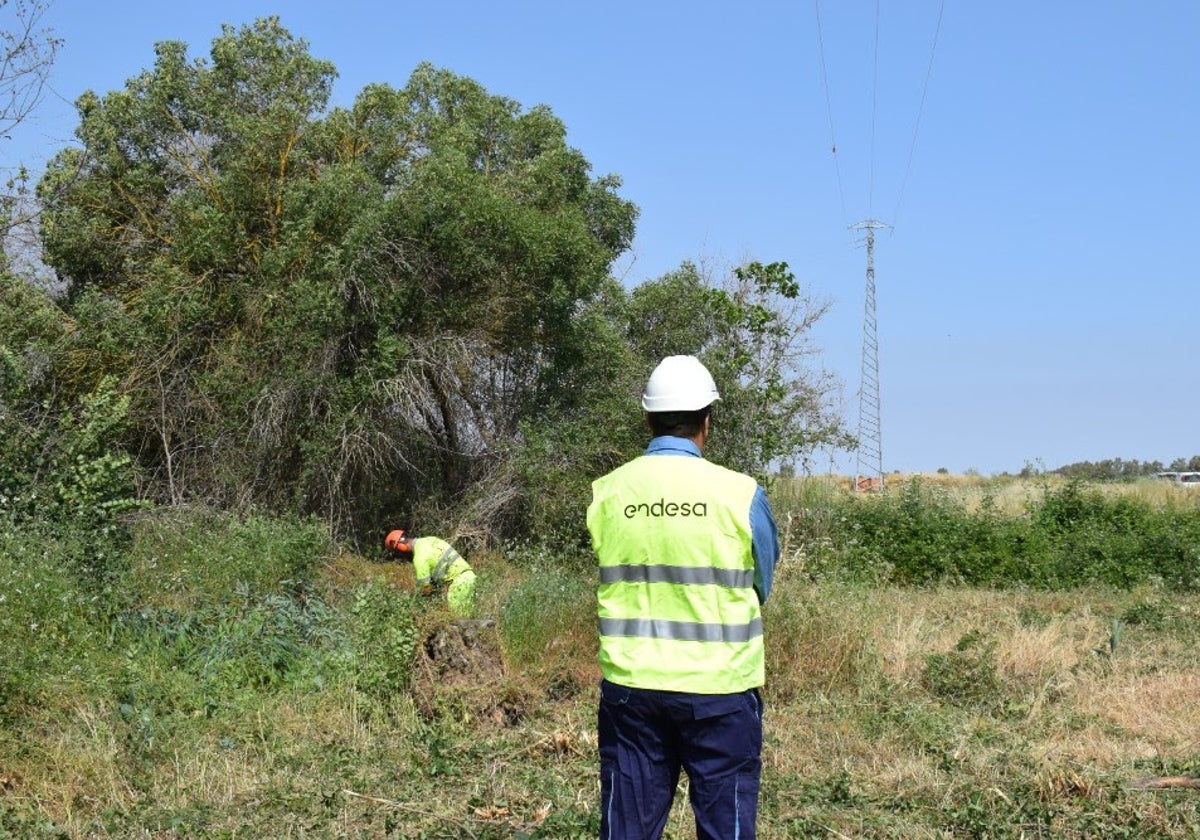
(818, 646)
(965, 674)
(548, 619)
(183, 559)
(52, 622)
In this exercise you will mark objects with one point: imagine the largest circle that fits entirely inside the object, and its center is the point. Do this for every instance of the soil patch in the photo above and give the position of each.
(459, 670)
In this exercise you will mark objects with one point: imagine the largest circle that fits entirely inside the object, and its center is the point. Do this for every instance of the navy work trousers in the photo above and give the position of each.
(647, 736)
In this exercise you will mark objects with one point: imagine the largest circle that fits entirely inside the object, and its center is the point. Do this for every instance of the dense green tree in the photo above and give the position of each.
(347, 313)
(753, 330)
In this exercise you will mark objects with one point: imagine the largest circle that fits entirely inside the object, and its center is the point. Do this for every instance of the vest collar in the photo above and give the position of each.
(669, 445)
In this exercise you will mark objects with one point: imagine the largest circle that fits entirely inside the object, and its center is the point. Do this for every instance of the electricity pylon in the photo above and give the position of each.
(869, 461)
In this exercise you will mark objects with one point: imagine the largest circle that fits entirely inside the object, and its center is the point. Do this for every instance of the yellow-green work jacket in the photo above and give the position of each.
(436, 561)
(677, 605)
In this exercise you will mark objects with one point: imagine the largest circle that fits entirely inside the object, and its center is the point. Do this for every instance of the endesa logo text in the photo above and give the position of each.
(664, 508)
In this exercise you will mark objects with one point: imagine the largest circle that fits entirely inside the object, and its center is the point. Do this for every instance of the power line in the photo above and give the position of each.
(829, 110)
(920, 110)
(874, 108)
(869, 461)
(874, 100)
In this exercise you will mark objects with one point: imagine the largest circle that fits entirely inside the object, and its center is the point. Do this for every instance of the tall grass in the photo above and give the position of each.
(240, 677)
(51, 629)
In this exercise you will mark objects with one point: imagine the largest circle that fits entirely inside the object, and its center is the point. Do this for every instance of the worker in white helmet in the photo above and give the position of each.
(687, 552)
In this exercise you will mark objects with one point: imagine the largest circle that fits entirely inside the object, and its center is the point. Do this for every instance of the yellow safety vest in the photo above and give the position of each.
(678, 610)
(435, 560)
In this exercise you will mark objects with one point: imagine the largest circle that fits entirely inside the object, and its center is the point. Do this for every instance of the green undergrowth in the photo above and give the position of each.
(241, 677)
(1064, 537)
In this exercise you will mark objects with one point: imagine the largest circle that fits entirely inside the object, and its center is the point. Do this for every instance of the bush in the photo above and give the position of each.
(243, 641)
(61, 467)
(384, 633)
(1071, 536)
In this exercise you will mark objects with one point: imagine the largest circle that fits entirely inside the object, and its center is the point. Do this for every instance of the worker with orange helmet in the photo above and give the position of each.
(436, 563)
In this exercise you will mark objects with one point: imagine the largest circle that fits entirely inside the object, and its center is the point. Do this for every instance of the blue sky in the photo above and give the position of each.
(1038, 294)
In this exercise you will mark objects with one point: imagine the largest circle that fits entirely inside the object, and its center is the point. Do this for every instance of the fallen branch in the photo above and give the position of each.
(1166, 782)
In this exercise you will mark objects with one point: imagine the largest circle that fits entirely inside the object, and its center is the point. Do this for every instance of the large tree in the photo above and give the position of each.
(751, 326)
(347, 312)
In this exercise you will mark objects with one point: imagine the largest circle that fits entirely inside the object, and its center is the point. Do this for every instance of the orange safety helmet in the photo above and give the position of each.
(397, 540)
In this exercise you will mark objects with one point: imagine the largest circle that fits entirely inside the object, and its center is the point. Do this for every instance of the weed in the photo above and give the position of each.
(549, 618)
(1151, 615)
(1031, 617)
(966, 674)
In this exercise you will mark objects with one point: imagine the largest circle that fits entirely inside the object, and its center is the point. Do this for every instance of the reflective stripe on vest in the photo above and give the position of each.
(677, 607)
(443, 564)
(733, 578)
(449, 563)
(689, 631)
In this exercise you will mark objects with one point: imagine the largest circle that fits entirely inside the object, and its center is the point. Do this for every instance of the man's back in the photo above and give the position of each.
(686, 549)
(677, 606)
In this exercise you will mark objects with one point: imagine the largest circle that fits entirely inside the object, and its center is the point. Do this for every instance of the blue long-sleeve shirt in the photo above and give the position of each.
(764, 534)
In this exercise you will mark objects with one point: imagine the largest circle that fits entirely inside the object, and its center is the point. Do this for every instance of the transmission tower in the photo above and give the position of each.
(869, 463)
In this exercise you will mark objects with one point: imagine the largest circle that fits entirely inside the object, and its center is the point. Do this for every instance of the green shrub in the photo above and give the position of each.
(1070, 536)
(1151, 615)
(383, 631)
(918, 535)
(1118, 541)
(245, 641)
(63, 466)
(209, 608)
(60, 467)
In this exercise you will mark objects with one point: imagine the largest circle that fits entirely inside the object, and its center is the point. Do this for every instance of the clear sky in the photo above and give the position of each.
(1037, 298)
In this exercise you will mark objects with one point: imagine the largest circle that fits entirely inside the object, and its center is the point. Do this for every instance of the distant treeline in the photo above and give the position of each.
(1118, 469)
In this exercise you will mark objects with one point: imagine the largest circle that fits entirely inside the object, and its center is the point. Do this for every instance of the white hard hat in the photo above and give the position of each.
(679, 383)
